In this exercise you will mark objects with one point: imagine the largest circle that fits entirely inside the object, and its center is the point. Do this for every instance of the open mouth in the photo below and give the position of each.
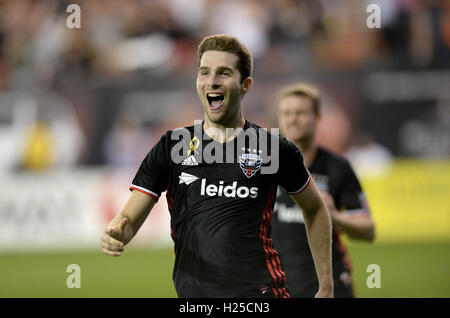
(215, 100)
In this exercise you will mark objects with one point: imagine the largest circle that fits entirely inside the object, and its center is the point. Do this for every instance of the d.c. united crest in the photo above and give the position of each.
(250, 164)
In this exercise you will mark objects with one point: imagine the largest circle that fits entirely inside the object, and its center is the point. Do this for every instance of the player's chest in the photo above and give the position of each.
(237, 178)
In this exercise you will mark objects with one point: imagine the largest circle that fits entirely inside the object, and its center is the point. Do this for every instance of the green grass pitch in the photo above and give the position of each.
(407, 270)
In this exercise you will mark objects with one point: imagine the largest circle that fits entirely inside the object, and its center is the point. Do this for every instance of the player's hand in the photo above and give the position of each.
(324, 293)
(111, 241)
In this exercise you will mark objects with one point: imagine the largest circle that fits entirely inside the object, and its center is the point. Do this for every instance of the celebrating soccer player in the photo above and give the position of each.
(221, 209)
(299, 112)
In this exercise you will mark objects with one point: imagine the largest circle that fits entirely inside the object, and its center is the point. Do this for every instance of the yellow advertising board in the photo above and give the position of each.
(411, 201)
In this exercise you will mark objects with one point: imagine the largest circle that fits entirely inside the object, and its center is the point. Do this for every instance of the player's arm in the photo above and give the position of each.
(150, 180)
(355, 219)
(318, 229)
(126, 223)
(357, 224)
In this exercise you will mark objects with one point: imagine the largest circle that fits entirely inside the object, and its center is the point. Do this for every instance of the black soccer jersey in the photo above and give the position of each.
(332, 174)
(221, 211)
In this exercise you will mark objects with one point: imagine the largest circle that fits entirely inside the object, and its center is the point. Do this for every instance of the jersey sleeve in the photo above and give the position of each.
(153, 173)
(351, 198)
(293, 177)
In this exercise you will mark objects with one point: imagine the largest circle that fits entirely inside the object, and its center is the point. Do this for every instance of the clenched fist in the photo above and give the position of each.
(112, 239)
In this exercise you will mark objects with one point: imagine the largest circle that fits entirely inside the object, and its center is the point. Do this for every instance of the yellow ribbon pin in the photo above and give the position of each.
(194, 145)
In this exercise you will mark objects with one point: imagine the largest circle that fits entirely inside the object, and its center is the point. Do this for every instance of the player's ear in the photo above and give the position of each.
(246, 84)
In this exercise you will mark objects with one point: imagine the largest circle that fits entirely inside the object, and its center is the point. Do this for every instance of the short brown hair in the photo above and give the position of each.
(226, 43)
(302, 89)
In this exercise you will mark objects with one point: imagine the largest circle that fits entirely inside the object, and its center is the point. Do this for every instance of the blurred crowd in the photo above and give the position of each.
(68, 97)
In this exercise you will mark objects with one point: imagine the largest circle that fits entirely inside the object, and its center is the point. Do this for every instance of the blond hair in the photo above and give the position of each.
(302, 89)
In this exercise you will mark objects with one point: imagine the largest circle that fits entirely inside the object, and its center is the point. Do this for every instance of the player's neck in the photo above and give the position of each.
(308, 149)
(221, 132)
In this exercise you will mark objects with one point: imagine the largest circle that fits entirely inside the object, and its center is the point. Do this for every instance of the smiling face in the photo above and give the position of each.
(297, 118)
(219, 86)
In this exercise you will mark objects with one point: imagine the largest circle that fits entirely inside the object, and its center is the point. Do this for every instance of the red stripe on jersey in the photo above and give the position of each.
(263, 235)
(169, 196)
(272, 260)
(341, 247)
(302, 188)
(277, 265)
(147, 193)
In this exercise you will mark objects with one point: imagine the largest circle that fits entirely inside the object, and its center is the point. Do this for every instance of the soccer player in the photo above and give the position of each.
(221, 211)
(298, 115)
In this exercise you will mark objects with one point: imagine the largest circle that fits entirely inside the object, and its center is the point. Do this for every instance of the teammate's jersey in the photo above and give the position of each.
(221, 212)
(332, 174)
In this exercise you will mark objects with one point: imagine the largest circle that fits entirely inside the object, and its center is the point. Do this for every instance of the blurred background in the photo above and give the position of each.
(81, 107)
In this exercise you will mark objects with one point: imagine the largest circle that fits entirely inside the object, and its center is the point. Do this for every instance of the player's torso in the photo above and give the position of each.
(220, 215)
(216, 188)
(288, 227)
